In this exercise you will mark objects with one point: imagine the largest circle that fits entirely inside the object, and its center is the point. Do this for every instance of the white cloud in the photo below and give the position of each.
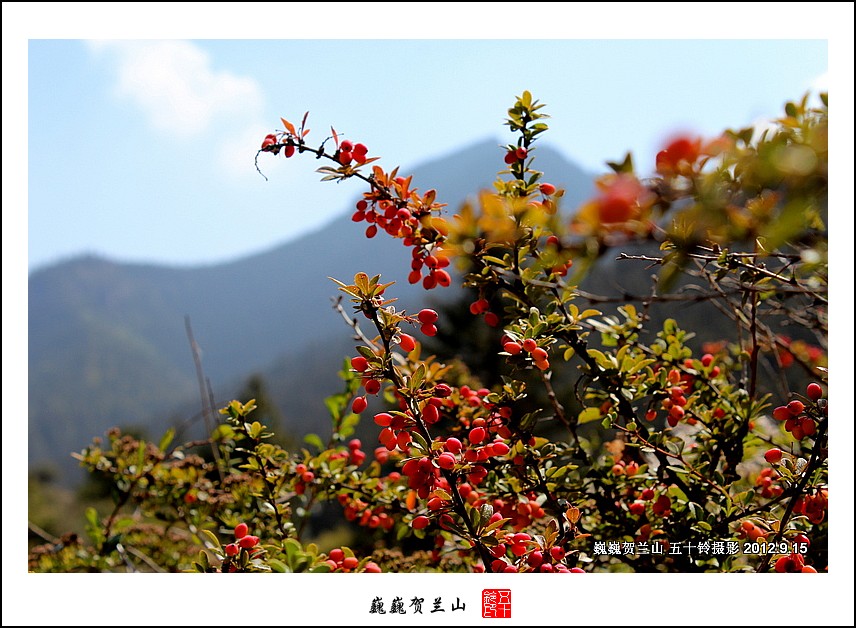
(175, 85)
(820, 84)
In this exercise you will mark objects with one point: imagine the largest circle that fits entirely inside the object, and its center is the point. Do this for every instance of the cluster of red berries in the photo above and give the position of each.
(520, 513)
(797, 423)
(402, 213)
(793, 563)
(515, 154)
(482, 306)
(625, 468)
(344, 563)
(271, 144)
(304, 477)
(423, 475)
(679, 156)
(243, 540)
(428, 321)
(639, 505)
(792, 350)
(813, 506)
(767, 481)
(674, 404)
(349, 152)
(539, 355)
(436, 274)
(555, 244)
(364, 514)
(527, 556)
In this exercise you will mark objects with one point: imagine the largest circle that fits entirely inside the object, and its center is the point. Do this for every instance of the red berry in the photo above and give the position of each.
(576, 570)
(430, 414)
(535, 559)
(407, 342)
(491, 319)
(782, 413)
(360, 150)
(500, 449)
(446, 461)
(477, 435)
(813, 391)
(346, 146)
(372, 567)
(231, 549)
(706, 360)
(512, 347)
(637, 508)
(427, 316)
(529, 345)
(359, 363)
(428, 329)
(548, 189)
(539, 355)
(372, 386)
(510, 157)
(796, 407)
(808, 569)
(307, 476)
(371, 231)
(248, 541)
(557, 553)
(241, 530)
(773, 456)
(359, 404)
(521, 153)
(420, 522)
(345, 158)
(453, 445)
(648, 494)
(350, 562)
(383, 419)
(289, 151)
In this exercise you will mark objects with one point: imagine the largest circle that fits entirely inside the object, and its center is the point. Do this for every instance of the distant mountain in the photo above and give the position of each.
(107, 342)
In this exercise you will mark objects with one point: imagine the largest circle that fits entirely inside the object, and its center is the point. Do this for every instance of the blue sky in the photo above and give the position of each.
(143, 150)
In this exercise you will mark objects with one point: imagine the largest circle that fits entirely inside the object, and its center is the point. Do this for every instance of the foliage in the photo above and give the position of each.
(655, 447)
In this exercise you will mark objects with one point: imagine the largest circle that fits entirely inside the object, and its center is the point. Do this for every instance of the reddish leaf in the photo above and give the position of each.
(288, 126)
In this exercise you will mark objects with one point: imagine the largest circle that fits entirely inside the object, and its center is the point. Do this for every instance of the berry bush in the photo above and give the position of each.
(645, 442)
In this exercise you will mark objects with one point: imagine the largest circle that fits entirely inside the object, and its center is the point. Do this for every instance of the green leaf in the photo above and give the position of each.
(320, 568)
(209, 536)
(314, 440)
(442, 494)
(92, 516)
(588, 415)
(278, 566)
(166, 439)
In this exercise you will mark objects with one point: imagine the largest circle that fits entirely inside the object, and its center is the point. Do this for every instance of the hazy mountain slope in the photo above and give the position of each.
(107, 342)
